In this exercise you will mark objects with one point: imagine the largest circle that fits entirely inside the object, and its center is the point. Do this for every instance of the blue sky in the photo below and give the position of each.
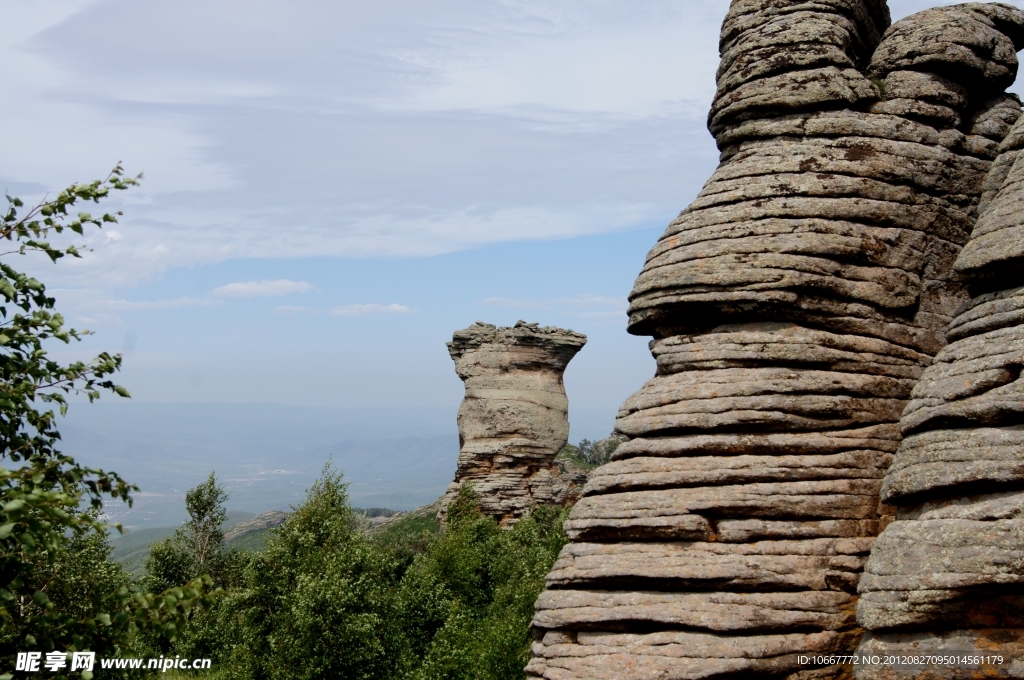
(332, 187)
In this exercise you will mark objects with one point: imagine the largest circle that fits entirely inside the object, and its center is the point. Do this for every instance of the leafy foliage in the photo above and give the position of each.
(195, 548)
(316, 602)
(27, 376)
(57, 589)
(590, 453)
(324, 600)
(409, 536)
(468, 600)
(195, 551)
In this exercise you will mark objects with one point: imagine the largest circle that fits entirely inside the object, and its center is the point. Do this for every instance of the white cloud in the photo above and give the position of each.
(95, 308)
(98, 319)
(366, 310)
(438, 128)
(97, 300)
(250, 289)
(594, 69)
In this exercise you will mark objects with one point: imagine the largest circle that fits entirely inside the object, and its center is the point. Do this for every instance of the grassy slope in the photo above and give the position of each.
(570, 454)
(131, 549)
(406, 534)
(253, 541)
(408, 528)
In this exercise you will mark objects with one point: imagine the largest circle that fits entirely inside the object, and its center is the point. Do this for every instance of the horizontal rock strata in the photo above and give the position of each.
(948, 574)
(513, 420)
(794, 305)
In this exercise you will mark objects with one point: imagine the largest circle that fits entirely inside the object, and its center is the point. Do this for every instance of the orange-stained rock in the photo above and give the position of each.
(948, 575)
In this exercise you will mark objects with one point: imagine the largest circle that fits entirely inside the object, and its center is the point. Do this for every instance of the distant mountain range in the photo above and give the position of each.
(266, 455)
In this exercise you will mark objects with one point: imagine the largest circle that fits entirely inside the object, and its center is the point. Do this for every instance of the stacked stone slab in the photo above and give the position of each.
(513, 420)
(948, 575)
(793, 306)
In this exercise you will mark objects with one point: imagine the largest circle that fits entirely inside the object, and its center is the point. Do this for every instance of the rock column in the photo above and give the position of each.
(947, 576)
(513, 420)
(793, 306)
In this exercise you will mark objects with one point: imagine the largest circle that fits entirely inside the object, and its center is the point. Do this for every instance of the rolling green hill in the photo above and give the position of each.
(252, 541)
(132, 548)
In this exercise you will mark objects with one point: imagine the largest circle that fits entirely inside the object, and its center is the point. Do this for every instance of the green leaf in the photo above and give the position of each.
(54, 499)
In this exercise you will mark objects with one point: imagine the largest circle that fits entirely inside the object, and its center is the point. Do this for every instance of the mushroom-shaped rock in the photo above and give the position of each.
(513, 420)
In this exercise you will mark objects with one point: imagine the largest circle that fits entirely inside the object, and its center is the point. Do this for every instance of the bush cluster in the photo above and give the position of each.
(591, 454)
(326, 600)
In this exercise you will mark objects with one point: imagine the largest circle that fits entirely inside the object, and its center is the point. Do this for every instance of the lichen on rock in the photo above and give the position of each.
(948, 574)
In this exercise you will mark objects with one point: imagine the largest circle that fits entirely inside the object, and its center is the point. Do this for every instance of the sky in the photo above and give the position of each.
(332, 188)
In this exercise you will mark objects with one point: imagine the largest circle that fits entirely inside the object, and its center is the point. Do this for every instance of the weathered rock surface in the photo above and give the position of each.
(948, 574)
(513, 420)
(265, 520)
(794, 306)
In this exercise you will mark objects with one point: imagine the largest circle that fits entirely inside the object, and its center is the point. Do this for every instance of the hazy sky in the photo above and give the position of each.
(331, 188)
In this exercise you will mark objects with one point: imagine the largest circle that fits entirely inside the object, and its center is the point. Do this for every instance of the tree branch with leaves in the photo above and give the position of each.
(46, 497)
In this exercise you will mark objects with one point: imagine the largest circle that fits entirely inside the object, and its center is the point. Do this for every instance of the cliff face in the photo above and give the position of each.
(948, 574)
(514, 418)
(793, 306)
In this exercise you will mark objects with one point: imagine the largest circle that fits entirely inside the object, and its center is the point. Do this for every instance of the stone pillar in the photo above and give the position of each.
(514, 418)
(948, 575)
(793, 306)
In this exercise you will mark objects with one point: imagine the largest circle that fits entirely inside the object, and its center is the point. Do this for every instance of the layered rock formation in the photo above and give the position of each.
(793, 306)
(514, 418)
(948, 574)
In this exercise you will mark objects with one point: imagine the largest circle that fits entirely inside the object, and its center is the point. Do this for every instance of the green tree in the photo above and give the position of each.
(594, 453)
(325, 601)
(47, 500)
(82, 577)
(196, 551)
(196, 548)
(586, 450)
(205, 506)
(467, 602)
(317, 602)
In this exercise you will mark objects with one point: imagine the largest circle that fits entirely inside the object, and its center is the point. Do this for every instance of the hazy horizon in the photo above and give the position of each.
(267, 455)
